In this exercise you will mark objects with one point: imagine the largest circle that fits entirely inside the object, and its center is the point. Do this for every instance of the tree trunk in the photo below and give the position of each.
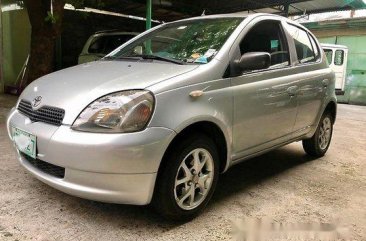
(43, 36)
(41, 61)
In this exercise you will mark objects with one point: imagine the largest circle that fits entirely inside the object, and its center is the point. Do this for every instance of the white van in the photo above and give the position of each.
(102, 43)
(337, 56)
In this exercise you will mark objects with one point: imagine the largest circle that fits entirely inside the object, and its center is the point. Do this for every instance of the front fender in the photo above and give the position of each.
(176, 109)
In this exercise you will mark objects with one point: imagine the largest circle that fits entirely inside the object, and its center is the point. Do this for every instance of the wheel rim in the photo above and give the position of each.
(194, 179)
(325, 133)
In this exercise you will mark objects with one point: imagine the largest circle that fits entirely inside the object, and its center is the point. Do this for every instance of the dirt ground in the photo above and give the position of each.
(284, 186)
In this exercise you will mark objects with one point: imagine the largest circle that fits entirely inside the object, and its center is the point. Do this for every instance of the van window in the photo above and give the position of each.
(329, 55)
(339, 57)
(267, 36)
(304, 48)
(107, 43)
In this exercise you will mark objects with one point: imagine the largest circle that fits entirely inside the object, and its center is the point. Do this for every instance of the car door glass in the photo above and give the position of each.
(267, 36)
(304, 48)
(315, 48)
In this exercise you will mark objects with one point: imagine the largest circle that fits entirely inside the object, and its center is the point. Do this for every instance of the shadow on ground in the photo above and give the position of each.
(237, 180)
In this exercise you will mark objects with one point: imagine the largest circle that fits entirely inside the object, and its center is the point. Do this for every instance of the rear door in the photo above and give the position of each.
(312, 77)
(339, 66)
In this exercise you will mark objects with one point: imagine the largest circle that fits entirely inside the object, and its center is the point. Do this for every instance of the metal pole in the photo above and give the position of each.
(148, 14)
(148, 24)
(286, 10)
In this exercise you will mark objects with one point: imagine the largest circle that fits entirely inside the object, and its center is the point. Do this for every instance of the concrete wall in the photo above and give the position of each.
(15, 41)
(1, 55)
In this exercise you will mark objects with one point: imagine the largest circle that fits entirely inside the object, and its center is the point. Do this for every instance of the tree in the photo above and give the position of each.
(46, 27)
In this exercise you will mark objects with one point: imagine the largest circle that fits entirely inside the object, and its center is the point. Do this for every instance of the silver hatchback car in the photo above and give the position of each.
(158, 119)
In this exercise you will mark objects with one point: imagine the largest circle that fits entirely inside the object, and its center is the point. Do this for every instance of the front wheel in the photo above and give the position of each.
(319, 143)
(187, 179)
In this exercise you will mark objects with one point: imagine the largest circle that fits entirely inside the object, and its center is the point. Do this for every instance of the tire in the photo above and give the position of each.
(319, 143)
(194, 189)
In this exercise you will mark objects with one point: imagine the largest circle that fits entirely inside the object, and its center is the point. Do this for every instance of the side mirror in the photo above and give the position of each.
(137, 50)
(254, 61)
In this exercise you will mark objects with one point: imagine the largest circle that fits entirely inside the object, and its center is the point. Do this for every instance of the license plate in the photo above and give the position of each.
(25, 142)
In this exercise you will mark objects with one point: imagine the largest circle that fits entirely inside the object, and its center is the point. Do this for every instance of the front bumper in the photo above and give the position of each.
(116, 168)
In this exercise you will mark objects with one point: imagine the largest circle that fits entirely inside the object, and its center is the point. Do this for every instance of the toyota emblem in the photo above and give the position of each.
(36, 101)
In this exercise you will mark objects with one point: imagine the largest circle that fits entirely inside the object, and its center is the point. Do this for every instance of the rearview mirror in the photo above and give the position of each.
(254, 61)
(137, 50)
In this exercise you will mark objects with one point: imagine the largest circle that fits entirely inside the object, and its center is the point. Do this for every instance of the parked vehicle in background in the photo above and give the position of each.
(158, 119)
(102, 43)
(337, 56)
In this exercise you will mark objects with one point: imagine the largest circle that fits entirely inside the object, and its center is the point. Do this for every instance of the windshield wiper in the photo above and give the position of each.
(156, 57)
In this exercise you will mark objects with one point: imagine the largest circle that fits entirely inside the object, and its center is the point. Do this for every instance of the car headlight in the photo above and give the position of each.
(125, 111)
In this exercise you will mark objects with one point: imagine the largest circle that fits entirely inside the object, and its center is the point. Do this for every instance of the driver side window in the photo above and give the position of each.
(267, 36)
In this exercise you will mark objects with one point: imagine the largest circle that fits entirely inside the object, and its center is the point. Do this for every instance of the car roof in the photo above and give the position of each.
(243, 15)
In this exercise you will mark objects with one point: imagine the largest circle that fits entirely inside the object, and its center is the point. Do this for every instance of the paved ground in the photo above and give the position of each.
(284, 185)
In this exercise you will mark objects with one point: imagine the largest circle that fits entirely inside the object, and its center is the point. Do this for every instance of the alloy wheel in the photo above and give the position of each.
(325, 133)
(194, 179)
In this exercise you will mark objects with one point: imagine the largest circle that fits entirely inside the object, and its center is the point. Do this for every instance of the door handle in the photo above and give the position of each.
(292, 90)
(325, 82)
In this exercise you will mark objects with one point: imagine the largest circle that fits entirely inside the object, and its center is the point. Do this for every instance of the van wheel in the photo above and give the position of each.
(188, 178)
(318, 145)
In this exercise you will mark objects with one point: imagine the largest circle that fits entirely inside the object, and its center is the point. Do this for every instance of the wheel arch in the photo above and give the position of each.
(213, 131)
(332, 109)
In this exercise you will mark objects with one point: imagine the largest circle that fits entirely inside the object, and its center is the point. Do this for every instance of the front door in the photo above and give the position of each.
(265, 103)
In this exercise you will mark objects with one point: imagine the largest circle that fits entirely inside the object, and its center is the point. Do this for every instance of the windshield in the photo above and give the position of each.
(195, 41)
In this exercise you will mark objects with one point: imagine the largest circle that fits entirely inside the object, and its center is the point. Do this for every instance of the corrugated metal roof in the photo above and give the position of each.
(168, 10)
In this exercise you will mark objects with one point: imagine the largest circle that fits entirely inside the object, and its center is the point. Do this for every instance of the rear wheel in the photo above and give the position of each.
(318, 145)
(188, 179)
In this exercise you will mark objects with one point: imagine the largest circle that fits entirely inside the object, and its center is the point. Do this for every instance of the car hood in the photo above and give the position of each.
(74, 88)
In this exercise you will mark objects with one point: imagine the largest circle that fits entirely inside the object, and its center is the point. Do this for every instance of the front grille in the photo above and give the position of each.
(45, 167)
(47, 114)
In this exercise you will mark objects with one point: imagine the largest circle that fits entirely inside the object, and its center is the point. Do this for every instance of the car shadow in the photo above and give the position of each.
(253, 171)
(235, 181)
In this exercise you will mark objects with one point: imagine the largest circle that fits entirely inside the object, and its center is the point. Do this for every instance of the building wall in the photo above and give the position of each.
(351, 33)
(15, 41)
(1, 55)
